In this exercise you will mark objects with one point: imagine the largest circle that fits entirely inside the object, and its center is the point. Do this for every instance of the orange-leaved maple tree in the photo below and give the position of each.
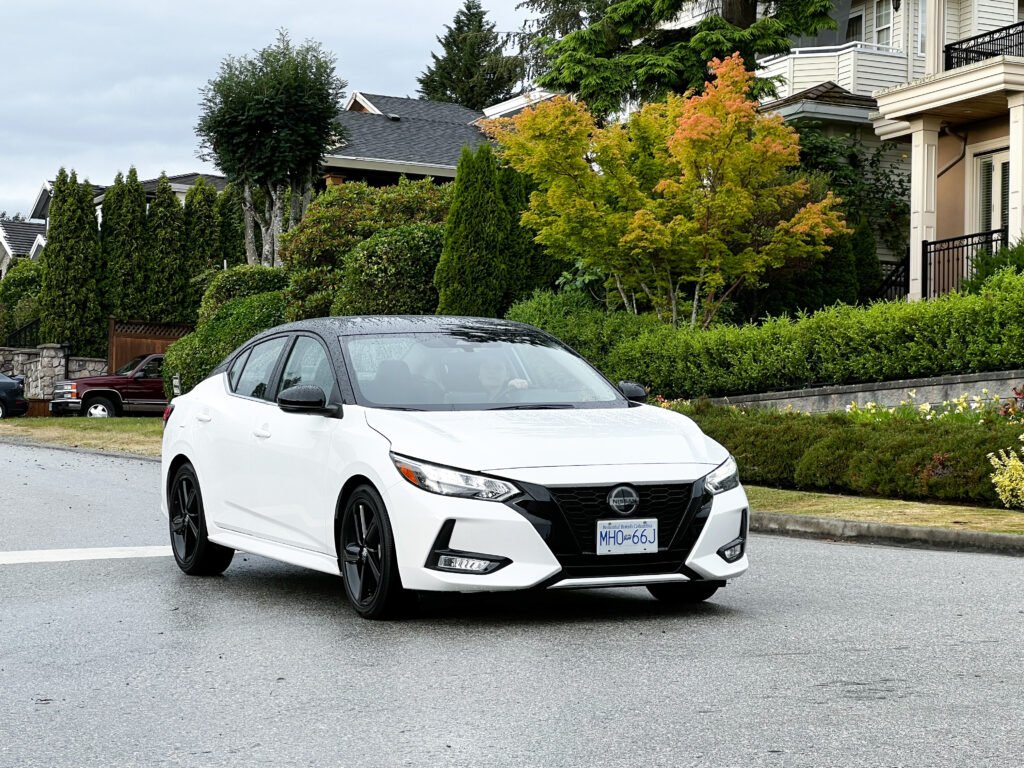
(685, 200)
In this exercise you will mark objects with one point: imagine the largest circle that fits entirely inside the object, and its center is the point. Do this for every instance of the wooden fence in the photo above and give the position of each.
(128, 339)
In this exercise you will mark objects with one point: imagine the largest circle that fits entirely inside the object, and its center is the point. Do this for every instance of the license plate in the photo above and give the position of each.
(625, 537)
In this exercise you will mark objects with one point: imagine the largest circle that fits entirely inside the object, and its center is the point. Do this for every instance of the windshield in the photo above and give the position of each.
(473, 370)
(127, 368)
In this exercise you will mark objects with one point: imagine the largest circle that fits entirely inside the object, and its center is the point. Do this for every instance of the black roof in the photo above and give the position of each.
(380, 324)
(423, 109)
(407, 140)
(20, 235)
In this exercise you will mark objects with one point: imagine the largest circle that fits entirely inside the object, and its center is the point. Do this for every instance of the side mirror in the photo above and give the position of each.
(633, 391)
(304, 398)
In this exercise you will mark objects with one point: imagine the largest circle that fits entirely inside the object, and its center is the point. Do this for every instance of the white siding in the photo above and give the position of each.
(993, 14)
(860, 69)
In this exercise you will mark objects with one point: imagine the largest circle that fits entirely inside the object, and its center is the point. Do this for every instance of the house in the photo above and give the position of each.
(19, 239)
(964, 117)
(388, 137)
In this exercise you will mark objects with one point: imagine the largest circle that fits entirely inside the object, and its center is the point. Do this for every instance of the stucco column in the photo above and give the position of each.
(924, 146)
(1015, 224)
(935, 35)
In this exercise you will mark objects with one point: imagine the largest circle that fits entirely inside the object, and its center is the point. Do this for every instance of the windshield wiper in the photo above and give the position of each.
(532, 406)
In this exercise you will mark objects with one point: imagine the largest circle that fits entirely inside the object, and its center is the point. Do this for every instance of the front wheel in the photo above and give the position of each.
(99, 408)
(195, 554)
(369, 565)
(683, 594)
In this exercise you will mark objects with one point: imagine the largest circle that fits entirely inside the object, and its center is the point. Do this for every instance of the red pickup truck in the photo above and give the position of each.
(135, 387)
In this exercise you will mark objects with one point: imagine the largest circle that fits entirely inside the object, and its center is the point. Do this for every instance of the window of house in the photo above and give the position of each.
(855, 28)
(993, 199)
(883, 22)
(922, 21)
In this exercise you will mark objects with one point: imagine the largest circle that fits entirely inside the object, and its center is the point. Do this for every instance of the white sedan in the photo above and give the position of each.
(411, 454)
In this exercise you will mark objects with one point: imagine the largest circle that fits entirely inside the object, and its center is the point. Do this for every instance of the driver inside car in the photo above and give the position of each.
(497, 380)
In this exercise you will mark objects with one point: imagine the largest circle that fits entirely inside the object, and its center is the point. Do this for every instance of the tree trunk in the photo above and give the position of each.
(277, 221)
(696, 303)
(739, 13)
(249, 215)
(267, 228)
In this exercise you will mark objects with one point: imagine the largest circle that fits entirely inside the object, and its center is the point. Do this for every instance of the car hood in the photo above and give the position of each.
(488, 441)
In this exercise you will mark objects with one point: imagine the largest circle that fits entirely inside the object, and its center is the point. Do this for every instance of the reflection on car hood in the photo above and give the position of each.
(488, 441)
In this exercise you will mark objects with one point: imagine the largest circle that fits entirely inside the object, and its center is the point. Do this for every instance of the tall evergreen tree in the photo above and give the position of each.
(230, 222)
(471, 276)
(165, 223)
(201, 246)
(129, 272)
(71, 296)
(472, 69)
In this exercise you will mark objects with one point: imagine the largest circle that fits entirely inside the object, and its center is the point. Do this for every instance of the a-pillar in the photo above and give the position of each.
(1015, 221)
(924, 142)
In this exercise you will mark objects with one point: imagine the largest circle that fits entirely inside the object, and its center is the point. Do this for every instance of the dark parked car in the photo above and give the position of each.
(136, 387)
(12, 396)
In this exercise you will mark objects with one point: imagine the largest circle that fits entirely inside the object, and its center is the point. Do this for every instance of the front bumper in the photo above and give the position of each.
(64, 405)
(538, 544)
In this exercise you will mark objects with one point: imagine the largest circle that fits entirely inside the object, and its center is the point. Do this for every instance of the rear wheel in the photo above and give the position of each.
(366, 551)
(195, 554)
(2, 411)
(99, 408)
(683, 594)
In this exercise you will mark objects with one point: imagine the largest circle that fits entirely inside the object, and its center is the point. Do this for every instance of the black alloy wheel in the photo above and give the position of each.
(687, 593)
(195, 554)
(367, 553)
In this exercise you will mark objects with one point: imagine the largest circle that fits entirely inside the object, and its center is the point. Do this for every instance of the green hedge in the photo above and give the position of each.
(195, 355)
(392, 273)
(840, 345)
(898, 458)
(236, 282)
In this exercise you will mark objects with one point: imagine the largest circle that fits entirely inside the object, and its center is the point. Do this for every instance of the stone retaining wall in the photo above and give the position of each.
(935, 391)
(44, 366)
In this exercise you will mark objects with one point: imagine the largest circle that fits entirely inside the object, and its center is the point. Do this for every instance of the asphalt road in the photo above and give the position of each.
(823, 655)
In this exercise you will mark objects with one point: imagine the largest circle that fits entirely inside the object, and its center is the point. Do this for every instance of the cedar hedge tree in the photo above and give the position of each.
(170, 295)
(131, 272)
(70, 298)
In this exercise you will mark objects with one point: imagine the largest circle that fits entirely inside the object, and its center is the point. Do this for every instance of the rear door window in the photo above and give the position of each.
(236, 370)
(259, 368)
(309, 363)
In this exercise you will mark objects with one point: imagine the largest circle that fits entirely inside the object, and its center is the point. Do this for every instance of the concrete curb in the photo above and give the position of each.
(883, 533)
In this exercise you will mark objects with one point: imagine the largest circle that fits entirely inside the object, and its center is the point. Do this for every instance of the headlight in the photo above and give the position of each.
(453, 482)
(724, 478)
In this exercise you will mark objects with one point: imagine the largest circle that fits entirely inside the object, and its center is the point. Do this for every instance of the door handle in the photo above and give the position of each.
(204, 417)
(263, 433)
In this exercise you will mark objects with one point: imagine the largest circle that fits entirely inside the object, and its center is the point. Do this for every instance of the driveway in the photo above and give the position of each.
(823, 655)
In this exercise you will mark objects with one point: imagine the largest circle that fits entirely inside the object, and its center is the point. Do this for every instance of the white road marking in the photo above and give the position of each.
(68, 555)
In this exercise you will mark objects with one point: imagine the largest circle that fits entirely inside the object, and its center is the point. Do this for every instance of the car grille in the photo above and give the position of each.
(567, 520)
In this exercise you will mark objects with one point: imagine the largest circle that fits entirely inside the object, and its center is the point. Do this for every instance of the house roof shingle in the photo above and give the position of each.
(825, 93)
(20, 235)
(422, 109)
(406, 140)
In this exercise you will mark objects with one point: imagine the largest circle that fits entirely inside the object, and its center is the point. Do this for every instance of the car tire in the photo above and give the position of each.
(2, 411)
(367, 559)
(194, 553)
(683, 594)
(99, 408)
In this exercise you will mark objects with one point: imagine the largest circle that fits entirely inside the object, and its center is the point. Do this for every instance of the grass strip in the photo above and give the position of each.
(138, 435)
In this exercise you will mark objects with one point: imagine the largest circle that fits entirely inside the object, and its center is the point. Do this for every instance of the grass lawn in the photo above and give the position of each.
(143, 435)
(139, 435)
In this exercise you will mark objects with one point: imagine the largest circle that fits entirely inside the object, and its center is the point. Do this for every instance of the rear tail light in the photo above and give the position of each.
(167, 413)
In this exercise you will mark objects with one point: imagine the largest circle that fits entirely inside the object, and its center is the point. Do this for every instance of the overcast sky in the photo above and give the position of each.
(101, 85)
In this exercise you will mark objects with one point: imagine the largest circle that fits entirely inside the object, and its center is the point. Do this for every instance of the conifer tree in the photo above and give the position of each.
(201, 246)
(230, 222)
(129, 272)
(472, 69)
(471, 276)
(71, 296)
(170, 301)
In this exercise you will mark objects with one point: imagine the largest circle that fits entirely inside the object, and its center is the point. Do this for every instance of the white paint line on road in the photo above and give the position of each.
(67, 555)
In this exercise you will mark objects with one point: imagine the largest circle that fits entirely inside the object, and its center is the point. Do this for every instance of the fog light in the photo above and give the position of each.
(467, 564)
(732, 551)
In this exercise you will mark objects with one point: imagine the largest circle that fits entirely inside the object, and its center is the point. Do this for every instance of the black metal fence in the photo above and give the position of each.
(25, 337)
(947, 263)
(1005, 41)
(895, 280)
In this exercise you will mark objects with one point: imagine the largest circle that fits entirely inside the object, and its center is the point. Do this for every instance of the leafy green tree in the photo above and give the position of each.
(865, 256)
(201, 233)
(70, 297)
(472, 274)
(473, 69)
(693, 196)
(554, 20)
(171, 300)
(634, 52)
(527, 265)
(19, 295)
(266, 121)
(130, 272)
(229, 219)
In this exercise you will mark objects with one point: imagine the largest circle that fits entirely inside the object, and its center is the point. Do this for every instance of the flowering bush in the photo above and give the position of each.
(1008, 477)
(976, 409)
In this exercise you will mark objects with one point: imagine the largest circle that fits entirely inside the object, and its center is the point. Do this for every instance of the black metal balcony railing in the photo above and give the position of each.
(1005, 41)
(947, 263)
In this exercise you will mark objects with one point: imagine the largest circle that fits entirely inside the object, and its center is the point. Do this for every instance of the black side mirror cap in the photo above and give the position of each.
(634, 392)
(306, 398)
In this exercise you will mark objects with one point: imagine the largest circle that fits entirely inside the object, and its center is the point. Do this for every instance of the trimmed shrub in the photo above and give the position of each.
(392, 273)
(897, 458)
(195, 355)
(311, 292)
(236, 282)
